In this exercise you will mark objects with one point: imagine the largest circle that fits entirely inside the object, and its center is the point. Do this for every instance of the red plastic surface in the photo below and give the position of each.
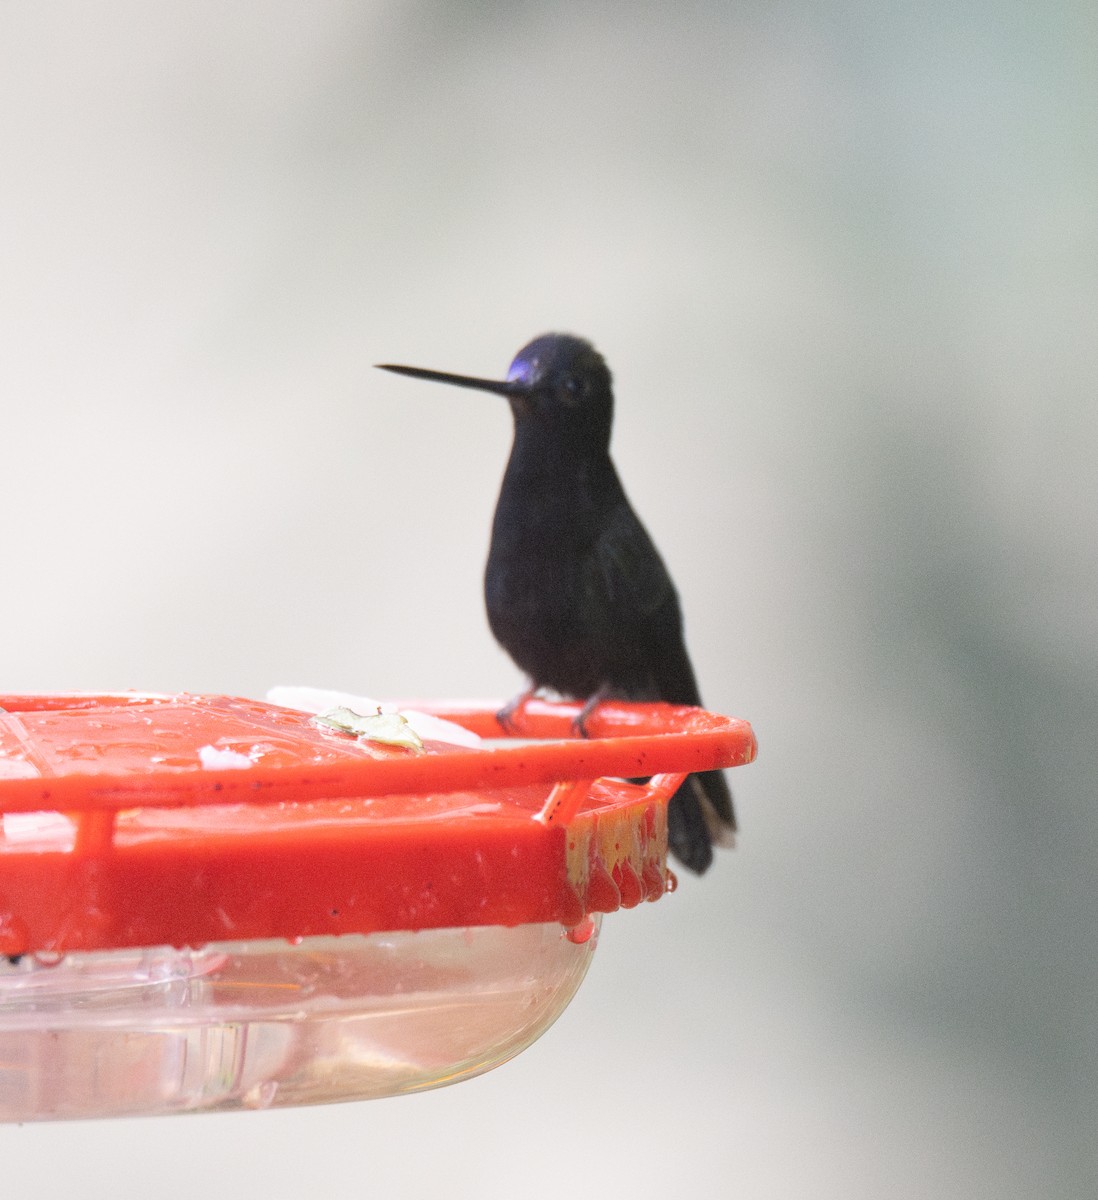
(321, 833)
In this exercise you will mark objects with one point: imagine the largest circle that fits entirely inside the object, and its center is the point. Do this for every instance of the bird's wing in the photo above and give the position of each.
(627, 585)
(626, 580)
(625, 571)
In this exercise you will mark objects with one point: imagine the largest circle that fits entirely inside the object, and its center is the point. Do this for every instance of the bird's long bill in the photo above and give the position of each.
(502, 387)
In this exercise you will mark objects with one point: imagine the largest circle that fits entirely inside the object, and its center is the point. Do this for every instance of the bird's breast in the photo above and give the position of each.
(537, 578)
(534, 594)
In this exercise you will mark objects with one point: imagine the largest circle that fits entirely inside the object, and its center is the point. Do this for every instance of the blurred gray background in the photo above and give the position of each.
(842, 260)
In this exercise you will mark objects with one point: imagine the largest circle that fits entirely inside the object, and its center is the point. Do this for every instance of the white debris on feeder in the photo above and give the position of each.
(391, 729)
(217, 758)
(317, 700)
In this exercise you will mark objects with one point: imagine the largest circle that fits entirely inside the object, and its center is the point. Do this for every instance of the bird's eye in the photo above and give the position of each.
(572, 389)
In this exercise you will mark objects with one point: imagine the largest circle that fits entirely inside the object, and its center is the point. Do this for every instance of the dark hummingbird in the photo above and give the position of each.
(576, 591)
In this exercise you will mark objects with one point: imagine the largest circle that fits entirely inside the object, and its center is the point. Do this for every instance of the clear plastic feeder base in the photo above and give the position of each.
(268, 1023)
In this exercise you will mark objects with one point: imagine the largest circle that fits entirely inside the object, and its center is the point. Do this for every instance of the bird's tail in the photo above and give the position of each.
(700, 816)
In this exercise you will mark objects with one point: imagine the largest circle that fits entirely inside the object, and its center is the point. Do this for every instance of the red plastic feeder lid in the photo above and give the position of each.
(143, 820)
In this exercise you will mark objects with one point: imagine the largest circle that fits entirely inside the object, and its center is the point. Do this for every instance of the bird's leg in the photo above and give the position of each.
(506, 714)
(579, 725)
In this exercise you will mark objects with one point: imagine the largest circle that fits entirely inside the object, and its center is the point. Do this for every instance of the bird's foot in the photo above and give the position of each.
(506, 715)
(579, 725)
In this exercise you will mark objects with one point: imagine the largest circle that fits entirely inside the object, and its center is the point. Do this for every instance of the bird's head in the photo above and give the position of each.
(558, 385)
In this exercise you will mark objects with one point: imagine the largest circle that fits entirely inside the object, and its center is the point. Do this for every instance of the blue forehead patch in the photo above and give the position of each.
(522, 370)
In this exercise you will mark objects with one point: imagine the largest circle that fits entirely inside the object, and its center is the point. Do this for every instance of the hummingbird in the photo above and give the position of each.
(575, 589)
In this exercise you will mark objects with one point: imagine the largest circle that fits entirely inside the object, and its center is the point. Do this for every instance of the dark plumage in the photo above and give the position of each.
(576, 591)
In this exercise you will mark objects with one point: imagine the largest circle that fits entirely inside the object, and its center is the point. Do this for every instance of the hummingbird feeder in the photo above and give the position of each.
(210, 903)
